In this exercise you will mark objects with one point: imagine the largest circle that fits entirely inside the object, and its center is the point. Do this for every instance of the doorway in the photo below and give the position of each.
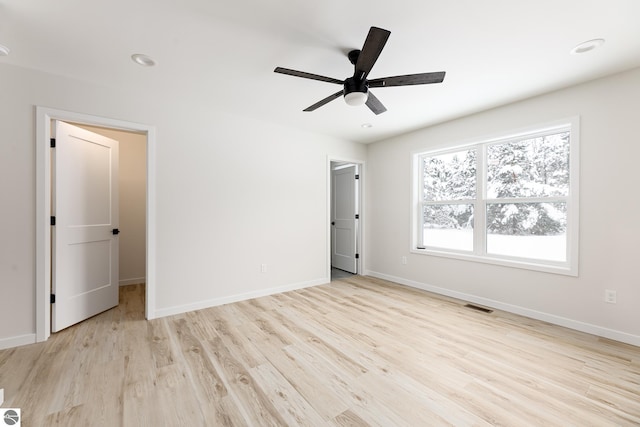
(45, 116)
(345, 219)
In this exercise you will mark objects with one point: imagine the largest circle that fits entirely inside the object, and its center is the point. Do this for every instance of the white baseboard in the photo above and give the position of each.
(17, 341)
(169, 311)
(133, 281)
(522, 311)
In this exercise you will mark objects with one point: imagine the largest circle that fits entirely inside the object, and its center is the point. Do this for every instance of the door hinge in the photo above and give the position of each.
(357, 256)
(357, 216)
(357, 176)
(52, 141)
(52, 299)
(53, 220)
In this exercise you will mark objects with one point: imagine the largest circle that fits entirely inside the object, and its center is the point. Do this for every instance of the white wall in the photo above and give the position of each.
(132, 181)
(232, 193)
(609, 204)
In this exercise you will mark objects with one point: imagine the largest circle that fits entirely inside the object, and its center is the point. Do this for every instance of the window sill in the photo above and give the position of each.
(525, 264)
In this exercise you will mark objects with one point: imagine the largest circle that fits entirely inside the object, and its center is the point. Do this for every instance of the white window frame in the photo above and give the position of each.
(479, 253)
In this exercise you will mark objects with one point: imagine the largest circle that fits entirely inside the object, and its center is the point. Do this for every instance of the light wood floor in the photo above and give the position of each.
(355, 352)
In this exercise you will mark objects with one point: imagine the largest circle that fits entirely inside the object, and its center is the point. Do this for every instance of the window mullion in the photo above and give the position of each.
(515, 200)
(480, 206)
(421, 204)
(451, 202)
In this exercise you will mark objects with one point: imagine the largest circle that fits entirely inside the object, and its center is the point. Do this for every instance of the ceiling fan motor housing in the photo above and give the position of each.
(351, 84)
(356, 91)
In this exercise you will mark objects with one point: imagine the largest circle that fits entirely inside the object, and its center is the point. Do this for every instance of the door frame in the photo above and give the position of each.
(360, 234)
(44, 117)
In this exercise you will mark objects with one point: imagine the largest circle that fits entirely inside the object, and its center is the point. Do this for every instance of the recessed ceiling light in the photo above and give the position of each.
(587, 46)
(366, 125)
(144, 60)
(4, 51)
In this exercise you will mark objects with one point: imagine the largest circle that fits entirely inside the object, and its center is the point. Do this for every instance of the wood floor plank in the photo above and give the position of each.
(214, 323)
(331, 353)
(290, 404)
(243, 387)
(349, 419)
(306, 383)
(160, 342)
(355, 352)
(209, 388)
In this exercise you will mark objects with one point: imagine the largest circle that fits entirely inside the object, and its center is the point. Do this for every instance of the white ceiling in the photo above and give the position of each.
(216, 54)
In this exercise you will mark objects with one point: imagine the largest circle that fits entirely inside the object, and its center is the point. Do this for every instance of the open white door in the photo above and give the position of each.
(344, 221)
(85, 241)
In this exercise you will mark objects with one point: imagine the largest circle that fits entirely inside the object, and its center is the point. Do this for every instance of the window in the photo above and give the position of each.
(509, 201)
(449, 196)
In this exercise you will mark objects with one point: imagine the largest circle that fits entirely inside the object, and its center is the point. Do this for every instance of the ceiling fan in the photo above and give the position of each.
(356, 89)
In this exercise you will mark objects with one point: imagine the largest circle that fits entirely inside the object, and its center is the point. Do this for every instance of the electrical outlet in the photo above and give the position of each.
(610, 296)
(404, 260)
(1, 396)
(263, 268)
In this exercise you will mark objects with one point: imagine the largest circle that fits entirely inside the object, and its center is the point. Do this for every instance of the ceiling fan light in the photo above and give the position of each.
(356, 98)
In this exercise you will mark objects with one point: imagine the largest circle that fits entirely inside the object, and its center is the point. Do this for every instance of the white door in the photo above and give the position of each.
(85, 241)
(344, 221)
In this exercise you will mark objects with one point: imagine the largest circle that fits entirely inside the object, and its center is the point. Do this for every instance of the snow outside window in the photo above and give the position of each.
(509, 201)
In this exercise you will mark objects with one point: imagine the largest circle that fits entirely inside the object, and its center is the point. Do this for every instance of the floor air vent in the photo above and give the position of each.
(478, 308)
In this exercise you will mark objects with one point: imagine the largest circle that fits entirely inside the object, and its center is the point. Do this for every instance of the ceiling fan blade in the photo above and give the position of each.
(375, 105)
(409, 79)
(376, 39)
(324, 101)
(307, 75)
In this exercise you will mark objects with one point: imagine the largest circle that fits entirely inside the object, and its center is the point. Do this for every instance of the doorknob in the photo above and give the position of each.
(333, 223)
(115, 231)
